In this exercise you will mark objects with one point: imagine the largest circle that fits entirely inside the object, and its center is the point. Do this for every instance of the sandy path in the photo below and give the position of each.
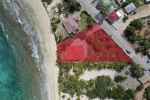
(88, 75)
(47, 46)
(139, 95)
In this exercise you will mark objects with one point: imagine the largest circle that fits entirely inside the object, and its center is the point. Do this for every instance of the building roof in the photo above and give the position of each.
(112, 17)
(130, 8)
(92, 45)
(70, 24)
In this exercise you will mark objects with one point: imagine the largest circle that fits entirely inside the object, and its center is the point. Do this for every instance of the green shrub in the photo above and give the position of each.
(137, 24)
(120, 78)
(147, 93)
(71, 6)
(102, 87)
(117, 92)
(125, 18)
(136, 71)
(129, 94)
(72, 85)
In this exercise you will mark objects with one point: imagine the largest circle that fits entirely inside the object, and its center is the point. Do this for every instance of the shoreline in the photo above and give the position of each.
(47, 46)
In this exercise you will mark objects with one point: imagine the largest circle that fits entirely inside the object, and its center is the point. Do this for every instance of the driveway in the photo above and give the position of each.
(142, 11)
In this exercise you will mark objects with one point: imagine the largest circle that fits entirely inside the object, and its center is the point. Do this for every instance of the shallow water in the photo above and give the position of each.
(19, 76)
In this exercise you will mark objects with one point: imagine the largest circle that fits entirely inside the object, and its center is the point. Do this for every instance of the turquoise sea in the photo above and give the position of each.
(19, 76)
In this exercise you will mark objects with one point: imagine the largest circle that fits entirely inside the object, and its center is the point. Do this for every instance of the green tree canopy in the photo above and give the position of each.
(129, 95)
(147, 93)
(103, 86)
(136, 71)
(71, 6)
(120, 78)
(137, 24)
(117, 93)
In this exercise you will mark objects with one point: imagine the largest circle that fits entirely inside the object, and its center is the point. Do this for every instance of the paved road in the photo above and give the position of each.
(124, 44)
(86, 5)
(111, 31)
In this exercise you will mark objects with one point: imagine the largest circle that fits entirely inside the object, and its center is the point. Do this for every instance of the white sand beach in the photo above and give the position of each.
(47, 46)
(89, 75)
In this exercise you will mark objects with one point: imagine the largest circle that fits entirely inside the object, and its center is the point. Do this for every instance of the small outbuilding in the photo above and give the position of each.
(130, 8)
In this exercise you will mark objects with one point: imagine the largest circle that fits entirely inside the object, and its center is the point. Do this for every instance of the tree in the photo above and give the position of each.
(106, 6)
(130, 30)
(117, 93)
(147, 93)
(73, 85)
(130, 33)
(120, 78)
(125, 18)
(71, 6)
(103, 86)
(99, 88)
(129, 95)
(137, 24)
(136, 71)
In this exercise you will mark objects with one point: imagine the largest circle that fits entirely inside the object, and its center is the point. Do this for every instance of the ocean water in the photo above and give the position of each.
(19, 76)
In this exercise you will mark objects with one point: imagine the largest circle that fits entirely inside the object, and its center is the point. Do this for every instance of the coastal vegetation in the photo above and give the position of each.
(101, 87)
(79, 68)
